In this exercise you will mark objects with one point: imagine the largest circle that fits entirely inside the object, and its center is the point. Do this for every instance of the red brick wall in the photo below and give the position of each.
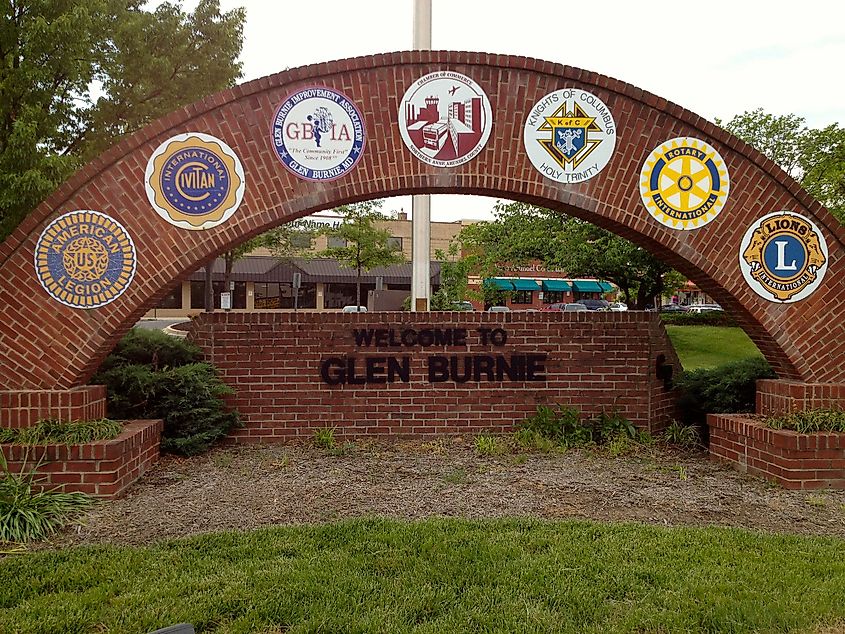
(25, 408)
(796, 461)
(47, 345)
(103, 469)
(779, 397)
(594, 361)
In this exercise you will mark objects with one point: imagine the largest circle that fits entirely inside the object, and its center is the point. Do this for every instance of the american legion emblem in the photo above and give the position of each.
(85, 259)
(783, 257)
(445, 119)
(684, 183)
(318, 134)
(569, 135)
(194, 181)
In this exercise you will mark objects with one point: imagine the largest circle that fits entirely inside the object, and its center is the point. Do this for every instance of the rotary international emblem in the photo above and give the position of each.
(684, 183)
(195, 181)
(85, 259)
(445, 119)
(783, 257)
(569, 135)
(318, 134)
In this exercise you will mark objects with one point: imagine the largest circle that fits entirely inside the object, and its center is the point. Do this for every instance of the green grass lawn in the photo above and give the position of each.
(710, 346)
(436, 576)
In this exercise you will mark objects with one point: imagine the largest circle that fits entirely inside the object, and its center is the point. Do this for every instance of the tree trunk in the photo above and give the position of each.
(358, 290)
(209, 286)
(229, 260)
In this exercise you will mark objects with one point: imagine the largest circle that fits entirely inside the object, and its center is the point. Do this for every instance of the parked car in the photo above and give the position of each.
(498, 309)
(618, 307)
(595, 304)
(354, 309)
(673, 308)
(462, 306)
(575, 307)
(706, 308)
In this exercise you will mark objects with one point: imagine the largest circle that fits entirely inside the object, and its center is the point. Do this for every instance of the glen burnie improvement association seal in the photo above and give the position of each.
(85, 259)
(318, 134)
(195, 181)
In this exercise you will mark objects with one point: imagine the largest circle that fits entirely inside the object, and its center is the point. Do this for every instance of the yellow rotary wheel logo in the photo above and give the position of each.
(684, 183)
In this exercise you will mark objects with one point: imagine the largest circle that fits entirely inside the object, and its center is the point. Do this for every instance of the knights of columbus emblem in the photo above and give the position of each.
(570, 142)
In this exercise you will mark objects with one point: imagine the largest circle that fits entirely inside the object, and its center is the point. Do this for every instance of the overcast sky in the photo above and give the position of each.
(716, 58)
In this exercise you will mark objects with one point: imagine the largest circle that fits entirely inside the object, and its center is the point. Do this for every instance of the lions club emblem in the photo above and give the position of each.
(318, 134)
(684, 183)
(85, 259)
(569, 135)
(445, 119)
(783, 257)
(195, 181)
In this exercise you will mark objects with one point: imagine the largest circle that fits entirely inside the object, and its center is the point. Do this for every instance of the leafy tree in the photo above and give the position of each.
(521, 233)
(813, 157)
(75, 75)
(454, 276)
(367, 246)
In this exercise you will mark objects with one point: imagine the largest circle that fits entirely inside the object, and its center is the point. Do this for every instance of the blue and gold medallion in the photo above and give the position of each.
(684, 183)
(194, 181)
(85, 259)
(783, 257)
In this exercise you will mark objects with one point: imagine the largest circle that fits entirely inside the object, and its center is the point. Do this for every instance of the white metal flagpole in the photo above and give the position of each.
(421, 204)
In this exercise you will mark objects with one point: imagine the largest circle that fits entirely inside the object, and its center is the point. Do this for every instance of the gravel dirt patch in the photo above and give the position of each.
(242, 488)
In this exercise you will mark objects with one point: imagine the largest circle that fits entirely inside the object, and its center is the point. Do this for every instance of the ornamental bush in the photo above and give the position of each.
(730, 388)
(152, 375)
(713, 318)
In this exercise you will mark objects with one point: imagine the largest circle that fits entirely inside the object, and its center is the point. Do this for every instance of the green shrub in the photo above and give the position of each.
(565, 428)
(682, 435)
(728, 388)
(810, 421)
(28, 513)
(713, 318)
(153, 375)
(324, 437)
(562, 426)
(55, 432)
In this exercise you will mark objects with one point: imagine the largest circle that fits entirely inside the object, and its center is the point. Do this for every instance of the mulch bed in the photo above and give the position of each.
(243, 488)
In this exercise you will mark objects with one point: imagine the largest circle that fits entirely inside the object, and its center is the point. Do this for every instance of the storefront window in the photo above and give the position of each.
(173, 299)
(340, 295)
(273, 295)
(554, 297)
(198, 294)
(522, 297)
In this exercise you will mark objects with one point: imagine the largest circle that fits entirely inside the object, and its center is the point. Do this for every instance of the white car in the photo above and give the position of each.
(354, 309)
(618, 307)
(705, 308)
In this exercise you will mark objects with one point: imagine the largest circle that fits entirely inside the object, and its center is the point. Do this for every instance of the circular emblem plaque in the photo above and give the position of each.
(783, 257)
(195, 181)
(684, 183)
(569, 135)
(318, 134)
(85, 259)
(445, 119)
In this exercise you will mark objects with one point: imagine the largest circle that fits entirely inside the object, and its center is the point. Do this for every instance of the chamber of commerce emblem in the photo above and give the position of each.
(569, 135)
(445, 119)
(684, 183)
(318, 134)
(85, 259)
(783, 257)
(195, 181)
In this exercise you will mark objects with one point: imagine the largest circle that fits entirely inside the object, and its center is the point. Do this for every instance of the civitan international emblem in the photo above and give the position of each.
(783, 257)
(318, 134)
(569, 135)
(194, 181)
(445, 119)
(85, 259)
(684, 183)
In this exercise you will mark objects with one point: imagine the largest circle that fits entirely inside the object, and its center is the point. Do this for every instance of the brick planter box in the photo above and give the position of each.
(796, 461)
(104, 469)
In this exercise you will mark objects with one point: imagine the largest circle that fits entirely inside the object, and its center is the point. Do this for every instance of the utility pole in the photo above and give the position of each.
(421, 204)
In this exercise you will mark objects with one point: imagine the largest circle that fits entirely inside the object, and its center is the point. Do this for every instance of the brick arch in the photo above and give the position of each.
(46, 345)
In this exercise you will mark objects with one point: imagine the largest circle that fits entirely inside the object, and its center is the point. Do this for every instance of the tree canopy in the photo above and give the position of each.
(521, 233)
(813, 157)
(76, 75)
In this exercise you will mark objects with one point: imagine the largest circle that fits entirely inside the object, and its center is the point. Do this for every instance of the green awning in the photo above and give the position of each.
(502, 285)
(606, 287)
(556, 285)
(526, 285)
(583, 286)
